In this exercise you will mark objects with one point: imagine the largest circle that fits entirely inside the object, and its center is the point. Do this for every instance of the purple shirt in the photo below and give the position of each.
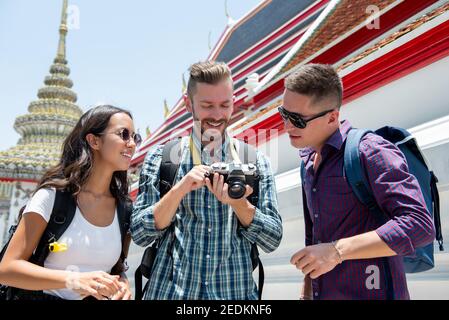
(336, 213)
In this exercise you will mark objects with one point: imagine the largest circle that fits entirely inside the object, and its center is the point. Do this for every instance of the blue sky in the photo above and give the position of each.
(128, 53)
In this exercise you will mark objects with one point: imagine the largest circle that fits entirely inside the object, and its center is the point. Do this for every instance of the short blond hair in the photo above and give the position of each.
(210, 72)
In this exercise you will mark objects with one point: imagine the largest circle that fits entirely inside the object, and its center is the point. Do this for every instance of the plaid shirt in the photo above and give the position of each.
(336, 213)
(211, 250)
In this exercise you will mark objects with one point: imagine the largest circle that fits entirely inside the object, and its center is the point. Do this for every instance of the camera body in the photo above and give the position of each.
(237, 176)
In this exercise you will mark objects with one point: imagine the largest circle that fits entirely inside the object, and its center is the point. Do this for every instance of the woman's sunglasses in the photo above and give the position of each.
(296, 119)
(126, 136)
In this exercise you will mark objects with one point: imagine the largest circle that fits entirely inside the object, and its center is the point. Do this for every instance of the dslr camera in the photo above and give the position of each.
(236, 175)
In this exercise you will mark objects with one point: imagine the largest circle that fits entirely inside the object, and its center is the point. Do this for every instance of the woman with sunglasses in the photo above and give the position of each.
(93, 169)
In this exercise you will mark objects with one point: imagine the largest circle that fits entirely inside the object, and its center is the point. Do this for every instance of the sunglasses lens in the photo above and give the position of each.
(125, 134)
(137, 139)
(294, 118)
(283, 114)
(299, 123)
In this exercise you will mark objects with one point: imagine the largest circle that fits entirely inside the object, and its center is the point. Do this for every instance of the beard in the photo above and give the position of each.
(211, 137)
(210, 133)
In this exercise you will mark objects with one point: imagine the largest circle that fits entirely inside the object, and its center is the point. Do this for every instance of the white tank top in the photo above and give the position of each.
(90, 248)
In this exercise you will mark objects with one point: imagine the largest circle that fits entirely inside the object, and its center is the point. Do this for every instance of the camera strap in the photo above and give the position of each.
(233, 147)
(196, 154)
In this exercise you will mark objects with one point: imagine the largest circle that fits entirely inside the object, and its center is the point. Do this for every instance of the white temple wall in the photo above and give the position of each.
(21, 193)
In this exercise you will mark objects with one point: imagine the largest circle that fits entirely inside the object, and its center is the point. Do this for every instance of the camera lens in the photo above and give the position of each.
(236, 189)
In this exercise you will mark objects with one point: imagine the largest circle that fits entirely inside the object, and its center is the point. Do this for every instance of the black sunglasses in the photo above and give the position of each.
(296, 119)
(125, 134)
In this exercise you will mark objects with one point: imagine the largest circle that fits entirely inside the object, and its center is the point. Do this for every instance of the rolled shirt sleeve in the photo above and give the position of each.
(398, 194)
(266, 228)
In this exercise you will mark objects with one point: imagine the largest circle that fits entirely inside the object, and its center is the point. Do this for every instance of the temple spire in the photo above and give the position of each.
(231, 21)
(166, 109)
(49, 120)
(62, 33)
(184, 86)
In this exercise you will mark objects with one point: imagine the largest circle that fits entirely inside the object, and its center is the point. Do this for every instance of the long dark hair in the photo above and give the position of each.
(75, 166)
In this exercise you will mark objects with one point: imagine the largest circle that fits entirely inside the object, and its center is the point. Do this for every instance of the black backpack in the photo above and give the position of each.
(168, 173)
(64, 209)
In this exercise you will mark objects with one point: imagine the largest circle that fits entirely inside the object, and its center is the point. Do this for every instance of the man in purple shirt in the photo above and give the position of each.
(350, 253)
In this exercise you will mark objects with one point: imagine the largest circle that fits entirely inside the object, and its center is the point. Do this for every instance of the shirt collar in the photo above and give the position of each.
(205, 155)
(336, 140)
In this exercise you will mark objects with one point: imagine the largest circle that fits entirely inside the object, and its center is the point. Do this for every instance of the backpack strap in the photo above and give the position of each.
(303, 172)
(354, 173)
(124, 210)
(168, 168)
(436, 209)
(167, 174)
(62, 215)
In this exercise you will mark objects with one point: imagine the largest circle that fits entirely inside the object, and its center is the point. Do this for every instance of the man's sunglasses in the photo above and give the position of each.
(126, 136)
(296, 119)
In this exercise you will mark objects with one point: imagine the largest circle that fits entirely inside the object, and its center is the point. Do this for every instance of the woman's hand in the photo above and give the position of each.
(98, 284)
(124, 292)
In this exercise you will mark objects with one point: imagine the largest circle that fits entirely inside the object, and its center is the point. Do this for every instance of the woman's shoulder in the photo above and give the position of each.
(42, 202)
(45, 192)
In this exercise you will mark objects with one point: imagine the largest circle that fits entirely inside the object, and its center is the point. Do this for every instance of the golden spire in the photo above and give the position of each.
(184, 86)
(49, 120)
(166, 109)
(62, 33)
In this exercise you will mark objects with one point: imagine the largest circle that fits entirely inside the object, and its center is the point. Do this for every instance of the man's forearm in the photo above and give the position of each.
(166, 208)
(244, 211)
(364, 246)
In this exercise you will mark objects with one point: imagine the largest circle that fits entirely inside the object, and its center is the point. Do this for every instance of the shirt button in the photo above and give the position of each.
(208, 257)
(206, 283)
(209, 230)
(314, 189)
(316, 216)
(316, 294)
(208, 206)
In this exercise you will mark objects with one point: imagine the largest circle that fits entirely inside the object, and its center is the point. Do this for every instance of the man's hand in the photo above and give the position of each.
(165, 209)
(194, 179)
(220, 190)
(243, 209)
(316, 260)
